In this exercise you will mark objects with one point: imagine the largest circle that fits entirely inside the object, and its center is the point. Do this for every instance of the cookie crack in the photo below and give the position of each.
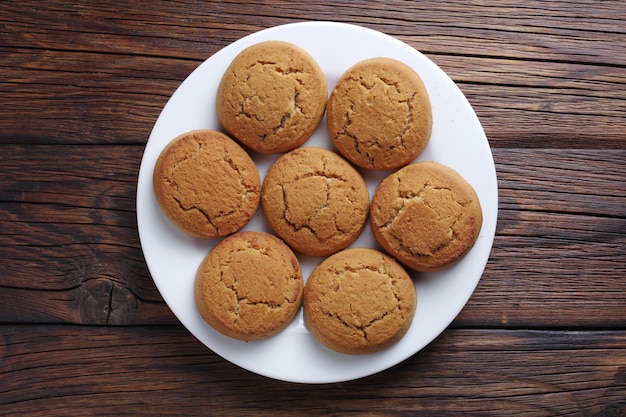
(263, 62)
(243, 112)
(363, 327)
(418, 196)
(295, 107)
(291, 72)
(328, 177)
(405, 199)
(199, 210)
(390, 83)
(242, 299)
(320, 173)
(367, 326)
(241, 171)
(183, 159)
(359, 145)
(232, 287)
(287, 69)
(213, 220)
(291, 224)
(408, 121)
(345, 132)
(337, 317)
(269, 304)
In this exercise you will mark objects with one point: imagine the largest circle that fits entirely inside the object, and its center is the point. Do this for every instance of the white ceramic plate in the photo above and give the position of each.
(457, 140)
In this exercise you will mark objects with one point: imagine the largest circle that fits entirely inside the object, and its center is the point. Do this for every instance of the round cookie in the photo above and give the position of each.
(249, 287)
(426, 215)
(206, 184)
(315, 201)
(272, 97)
(379, 114)
(359, 301)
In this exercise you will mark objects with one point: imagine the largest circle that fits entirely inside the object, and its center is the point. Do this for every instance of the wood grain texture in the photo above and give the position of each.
(563, 64)
(83, 329)
(531, 30)
(70, 249)
(560, 248)
(165, 371)
(71, 252)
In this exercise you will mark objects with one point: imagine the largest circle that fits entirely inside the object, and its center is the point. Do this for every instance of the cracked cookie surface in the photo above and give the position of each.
(379, 114)
(206, 184)
(272, 97)
(249, 287)
(359, 301)
(315, 201)
(426, 215)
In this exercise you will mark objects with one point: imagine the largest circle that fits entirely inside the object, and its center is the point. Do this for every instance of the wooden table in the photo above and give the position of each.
(83, 328)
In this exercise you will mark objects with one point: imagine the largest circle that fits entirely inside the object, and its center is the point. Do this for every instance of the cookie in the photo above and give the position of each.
(426, 215)
(249, 287)
(272, 97)
(315, 201)
(206, 184)
(359, 301)
(379, 114)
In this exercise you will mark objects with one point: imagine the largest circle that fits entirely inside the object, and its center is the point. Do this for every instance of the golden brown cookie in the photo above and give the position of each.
(272, 97)
(379, 114)
(426, 215)
(359, 301)
(249, 287)
(206, 184)
(315, 201)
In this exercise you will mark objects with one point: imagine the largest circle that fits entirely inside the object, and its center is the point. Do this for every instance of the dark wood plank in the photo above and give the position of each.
(534, 73)
(82, 85)
(69, 248)
(543, 104)
(117, 100)
(61, 370)
(559, 31)
(83, 98)
(560, 248)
